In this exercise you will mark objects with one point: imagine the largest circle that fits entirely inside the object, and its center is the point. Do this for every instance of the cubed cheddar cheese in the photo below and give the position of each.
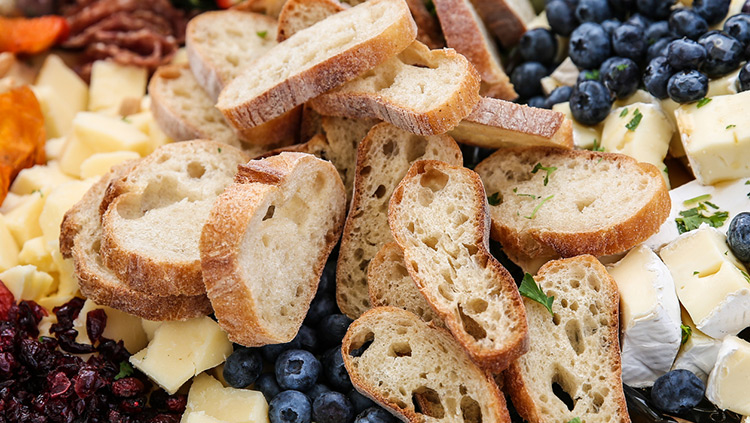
(100, 163)
(39, 177)
(27, 283)
(73, 154)
(67, 282)
(53, 148)
(149, 327)
(58, 117)
(23, 220)
(113, 83)
(59, 201)
(35, 252)
(209, 401)
(8, 247)
(61, 94)
(120, 325)
(583, 136)
(106, 134)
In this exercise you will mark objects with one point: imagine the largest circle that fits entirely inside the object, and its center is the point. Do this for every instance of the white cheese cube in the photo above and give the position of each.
(583, 136)
(549, 84)
(698, 353)
(712, 284)
(53, 148)
(52, 301)
(27, 283)
(8, 247)
(59, 201)
(70, 87)
(58, 116)
(639, 96)
(35, 253)
(120, 326)
(149, 327)
(645, 138)
(23, 220)
(106, 134)
(100, 163)
(716, 137)
(112, 83)
(726, 85)
(67, 282)
(566, 73)
(730, 378)
(73, 155)
(209, 401)
(650, 316)
(668, 106)
(39, 177)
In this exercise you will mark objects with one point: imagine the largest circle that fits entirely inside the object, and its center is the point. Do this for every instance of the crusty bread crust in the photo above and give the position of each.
(428, 27)
(300, 14)
(507, 22)
(498, 123)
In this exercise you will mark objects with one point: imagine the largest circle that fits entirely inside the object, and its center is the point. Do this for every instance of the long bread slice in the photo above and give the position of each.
(507, 19)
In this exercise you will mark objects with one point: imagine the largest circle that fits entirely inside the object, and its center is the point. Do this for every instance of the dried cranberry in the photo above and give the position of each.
(7, 362)
(96, 320)
(67, 340)
(165, 418)
(68, 312)
(87, 381)
(58, 384)
(6, 301)
(133, 405)
(127, 387)
(35, 355)
(113, 351)
(40, 401)
(176, 403)
(8, 336)
(58, 410)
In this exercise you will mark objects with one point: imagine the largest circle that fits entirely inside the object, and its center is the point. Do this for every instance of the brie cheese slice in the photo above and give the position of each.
(730, 378)
(698, 353)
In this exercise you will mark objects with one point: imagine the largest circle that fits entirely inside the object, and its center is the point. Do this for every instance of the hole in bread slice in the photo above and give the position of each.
(474, 329)
(470, 410)
(361, 342)
(575, 336)
(427, 401)
(400, 349)
(434, 179)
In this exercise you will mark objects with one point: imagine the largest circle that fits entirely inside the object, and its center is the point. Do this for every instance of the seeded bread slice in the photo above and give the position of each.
(591, 203)
(577, 348)
(317, 59)
(152, 224)
(497, 123)
(80, 235)
(420, 90)
(265, 243)
(383, 158)
(507, 19)
(418, 372)
(438, 216)
(389, 284)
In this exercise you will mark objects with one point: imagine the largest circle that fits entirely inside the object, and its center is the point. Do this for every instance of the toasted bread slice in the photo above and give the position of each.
(465, 32)
(417, 371)
(438, 216)
(317, 59)
(497, 123)
(297, 15)
(265, 243)
(575, 202)
(420, 90)
(577, 348)
(507, 19)
(80, 235)
(389, 284)
(383, 158)
(152, 226)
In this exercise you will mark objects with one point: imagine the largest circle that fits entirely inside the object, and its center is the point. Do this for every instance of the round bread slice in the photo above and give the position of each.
(265, 243)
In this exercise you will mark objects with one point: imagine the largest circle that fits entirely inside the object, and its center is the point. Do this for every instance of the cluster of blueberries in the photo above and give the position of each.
(669, 51)
(305, 380)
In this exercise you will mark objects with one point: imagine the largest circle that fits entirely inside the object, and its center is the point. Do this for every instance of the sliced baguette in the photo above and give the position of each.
(383, 158)
(594, 203)
(80, 235)
(417, 371)
(438, 216)
(507, 19)
(423, 91)
(317, 59)
(428, 27)
(577, 348)
(465, 32)
(389, 284)
(498, 123)
(265, 243)
(152, 224)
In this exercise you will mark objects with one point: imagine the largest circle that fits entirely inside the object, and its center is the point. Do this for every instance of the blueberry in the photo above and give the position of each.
(537, 101)
(743, 80)
(685, 54)
(331, 329)
(272, 351)
(589, 45)
(659, 48)
(610, 25)
(738, 236)
(655, 9)
(713, 11)
(307, 338)
(334, 370)
(526, 79)
(687, 85)
(656, 77)
(328, 278)
(297, 369)
(320, 307)
(593, 11)
(590, 102)
(746, 7)
(290, 407)
(374, 415)
(333, 407)
(656, 31)
(242, 367)
(622, 7)
(687, 23)
(267, 385)
(629, 41)
(558, 95)
(359, 401)
(622, 76)
(723, 53)
(538, 44)
(639, 20)
(738, 26)
(317, 390)
(561, 17)
(677, 391)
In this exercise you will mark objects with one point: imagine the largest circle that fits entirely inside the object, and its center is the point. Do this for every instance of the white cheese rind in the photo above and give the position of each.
(583, 136)
(729, 380)
(698, 353)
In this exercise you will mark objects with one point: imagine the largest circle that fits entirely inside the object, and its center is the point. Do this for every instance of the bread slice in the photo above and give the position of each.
(271, 8)
(265, 243)
(80, 235)
(383, 158)
(507, 19)
(590, 203)
(498, 123)
(389, 284)
(423, 91)
(417, 371)
(576, 349)
(428, 27)
(152, 225)
(317, 59)
(297, 15)
(465, 32)
(438, 216)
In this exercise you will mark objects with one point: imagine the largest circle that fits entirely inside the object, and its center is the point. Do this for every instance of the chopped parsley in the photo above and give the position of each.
(747, 277)
(125, 119)
(262, 34)
(597, 146)
(548, 169)
(695, 272)
(624, 112)
(219, 149)
(621, 67)
(686, 332)
(430, 5)
(538, 206)
(697, 199)
(731, 126)
(692, 218)
(495, 199)
(532, 291)
(666, 170)
(575, 420)
(747, 182)
(593, 74)
(125, 370)
(702, 102)
(515, 191)
(637, 116)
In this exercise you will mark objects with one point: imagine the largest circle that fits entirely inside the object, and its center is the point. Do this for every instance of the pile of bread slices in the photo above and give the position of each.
(441, 328)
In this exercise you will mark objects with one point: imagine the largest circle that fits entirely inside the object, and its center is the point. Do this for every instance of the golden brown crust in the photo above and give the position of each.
(428, 27)
(288, 16)
(502, 20)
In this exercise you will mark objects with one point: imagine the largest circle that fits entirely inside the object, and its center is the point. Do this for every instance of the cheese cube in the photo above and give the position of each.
(8, 247)
(52, 301)
(11, 202)
(100, 163)
(650, 316)
(180, 56)
(53, 148)
(58, 76)
(730, 378)
(209, 401)
(67, 282)
(668, 106)
(23, 220)
(112, 83)
(698, 353)
(645, 138)
(149, 327)
(726, 85)
(712, 284)
(74, 153)
(716, 137)
(27, 283)
(566, 73)
(106, 134)
(549, 84)
(146, 123)
(639, 96)
(34, 252)
(120, 326)
(58, 117)
(59, 201)
(180, 350)
(39, 177)
(583, 136)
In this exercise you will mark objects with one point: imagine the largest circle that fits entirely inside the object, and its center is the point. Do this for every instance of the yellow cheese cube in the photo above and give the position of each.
(726, 85)
(39, 177)
(67, 282)
(54, 148)
(59, 201)
(11, 202)
(150, 326)
(8, 247)
(34, 252)
(120, 326)
(180, 56)
(23, 220)
(104, 133)
(58, 116)
(100, 163)
(146, 123)
(583, 136)
(200, 417)
(645, 138)
(73, 154)
(58, 76)
(27, 283)
(209, 401)
(112, 83)
(53, 301)
(729, 379)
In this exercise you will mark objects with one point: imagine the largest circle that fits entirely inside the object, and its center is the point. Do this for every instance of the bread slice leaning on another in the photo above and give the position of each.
(297, 15)
(383, 158)
(152, 224)
(80, 239)
(438, 216)
(507, 19)
(265, 243)
(552, 202)
(417, 371)
(577, 348)
(317, 59)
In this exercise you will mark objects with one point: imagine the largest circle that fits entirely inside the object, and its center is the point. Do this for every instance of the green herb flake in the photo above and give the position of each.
(714, 206)
(430, 6)
(262, 34)
(515, 191)
(538, 206)
(702, 102)
(600, 160)
(548, 169)
(593, 74)
(575, 420)
(692, 218)
(666, 170)
(125, 370)
(695, 272)
(637, 116)
(597, 146)
(532, 291)
(495, 199)
(747, 277)
(697, 199)
(126, 120)
(624, 112)
(621, 67)
(731, 126)
(219, 149)
(686, 332)
(747, 182)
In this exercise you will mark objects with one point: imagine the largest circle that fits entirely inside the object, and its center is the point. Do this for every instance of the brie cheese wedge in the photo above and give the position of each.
(730, 378)
(584, 137)
(209, 401)
(698, 353)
